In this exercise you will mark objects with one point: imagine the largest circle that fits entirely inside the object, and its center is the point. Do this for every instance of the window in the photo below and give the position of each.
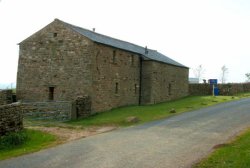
(114, 59)
(169, 88)
(55, 35)
(132, 60)
(51, 93)
(116, 87)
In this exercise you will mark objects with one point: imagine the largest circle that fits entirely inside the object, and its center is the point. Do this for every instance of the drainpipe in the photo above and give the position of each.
(140, 81)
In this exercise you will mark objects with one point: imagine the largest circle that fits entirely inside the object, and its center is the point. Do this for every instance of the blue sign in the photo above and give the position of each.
(216, 91)
(213, 81)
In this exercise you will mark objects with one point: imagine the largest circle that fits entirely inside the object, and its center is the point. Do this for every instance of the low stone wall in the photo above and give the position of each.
(83, 106)
(5, 97)
(55, 110)
(199, 89)
(11, 118)
(230, 89)
(246, 87)
(224, 89)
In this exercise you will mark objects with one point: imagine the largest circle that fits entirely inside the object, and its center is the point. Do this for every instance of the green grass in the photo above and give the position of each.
(39, 140)
(36, 141)
(152, 112)
(233, 155)
(242, 95)
(13, 139)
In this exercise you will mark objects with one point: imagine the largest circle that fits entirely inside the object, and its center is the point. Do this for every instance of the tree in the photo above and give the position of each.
(224, 72)
(248, 76)
(199, 72)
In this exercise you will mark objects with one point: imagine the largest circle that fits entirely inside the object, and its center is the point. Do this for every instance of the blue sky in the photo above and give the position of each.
(212, 33)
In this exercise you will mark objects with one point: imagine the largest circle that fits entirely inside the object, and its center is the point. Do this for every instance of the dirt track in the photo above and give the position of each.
(67, 134)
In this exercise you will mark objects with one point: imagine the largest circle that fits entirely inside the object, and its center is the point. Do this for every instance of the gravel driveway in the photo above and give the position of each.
(175, 142)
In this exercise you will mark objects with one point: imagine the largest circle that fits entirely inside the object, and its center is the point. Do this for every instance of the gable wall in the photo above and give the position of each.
(62, 62)
(162, 82)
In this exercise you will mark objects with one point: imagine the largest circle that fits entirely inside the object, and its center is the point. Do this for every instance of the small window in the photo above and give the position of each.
(116, 87)
(169, 88)
(51, 93)
(55, 35)
(132, 60)
(114, 59)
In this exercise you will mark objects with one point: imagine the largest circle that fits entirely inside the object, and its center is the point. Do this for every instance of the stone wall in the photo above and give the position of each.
(56, 110)
(233, 88)
(116, 78)
(224, 89)
(200, 89)
(82, 107)
(59, 64)
(11, 118)
(5, 97)
(246, 87)
(162, 82)
(54, 63)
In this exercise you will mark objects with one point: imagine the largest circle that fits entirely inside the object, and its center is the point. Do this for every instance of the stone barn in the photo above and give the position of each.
(61, 62)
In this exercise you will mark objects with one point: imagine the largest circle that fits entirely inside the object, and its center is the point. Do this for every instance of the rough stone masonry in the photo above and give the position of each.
(11, 118)
(5, 97)
(62, 62)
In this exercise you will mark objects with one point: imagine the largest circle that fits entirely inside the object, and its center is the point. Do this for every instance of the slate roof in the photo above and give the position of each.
(103, 39)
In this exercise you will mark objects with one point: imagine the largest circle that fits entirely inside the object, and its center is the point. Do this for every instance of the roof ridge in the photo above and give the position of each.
(121, 44)
(99, 33)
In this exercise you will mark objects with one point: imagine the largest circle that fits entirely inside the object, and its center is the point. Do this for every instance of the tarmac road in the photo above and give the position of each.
(175, 142)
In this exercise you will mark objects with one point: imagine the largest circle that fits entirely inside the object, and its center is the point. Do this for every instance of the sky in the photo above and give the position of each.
(211, 33)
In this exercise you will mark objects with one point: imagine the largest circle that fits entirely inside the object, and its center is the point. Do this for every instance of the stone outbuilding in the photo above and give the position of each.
(61, 62)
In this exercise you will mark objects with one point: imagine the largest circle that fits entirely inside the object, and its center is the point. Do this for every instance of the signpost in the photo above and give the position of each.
(213, 83)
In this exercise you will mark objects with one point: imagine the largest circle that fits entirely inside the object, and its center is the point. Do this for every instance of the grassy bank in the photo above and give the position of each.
(235, 154)
(35, 141)
(152, 112)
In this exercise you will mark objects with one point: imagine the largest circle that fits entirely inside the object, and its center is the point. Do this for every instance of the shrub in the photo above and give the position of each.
(13, 139)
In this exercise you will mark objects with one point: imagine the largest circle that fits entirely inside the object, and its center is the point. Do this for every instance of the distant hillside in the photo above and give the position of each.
(7, 85)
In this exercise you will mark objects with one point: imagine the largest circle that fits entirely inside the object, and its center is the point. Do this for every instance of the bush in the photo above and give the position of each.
(13, 139)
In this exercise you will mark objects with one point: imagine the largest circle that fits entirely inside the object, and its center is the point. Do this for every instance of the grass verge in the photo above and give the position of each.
(235, 154)
(147, 113)
(35, 141)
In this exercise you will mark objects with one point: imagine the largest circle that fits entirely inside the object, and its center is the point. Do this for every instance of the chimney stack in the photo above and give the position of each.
(93, 29)
(146, 50)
